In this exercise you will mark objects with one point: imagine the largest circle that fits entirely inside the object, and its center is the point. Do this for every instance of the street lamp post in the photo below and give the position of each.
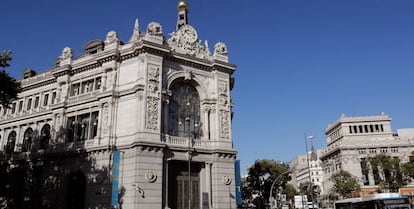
(273, 184)
(309, 171)
(189, 115)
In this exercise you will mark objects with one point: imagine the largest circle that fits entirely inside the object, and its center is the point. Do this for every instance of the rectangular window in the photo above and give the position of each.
(97, 83)
(53, 97)
(29, 104)
(45, 99)
(82, 127)
(14, 108)
(20, 106)
(36, 104)
(87, 86)
(74, 89)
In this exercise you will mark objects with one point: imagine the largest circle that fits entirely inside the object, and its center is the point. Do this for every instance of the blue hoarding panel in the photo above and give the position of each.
(115, 178)
(238, 182)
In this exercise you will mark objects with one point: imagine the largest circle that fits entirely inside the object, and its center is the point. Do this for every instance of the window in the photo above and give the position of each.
(85, 86)
(27, 140)
(53, 97)
(184, 111)
(97, 83)
(20, 106)
(11, 142)
(82, 127)
(44, 136)
(13, 107)
(29, 104)
(45, 99)
(74, 89)
(36, 102)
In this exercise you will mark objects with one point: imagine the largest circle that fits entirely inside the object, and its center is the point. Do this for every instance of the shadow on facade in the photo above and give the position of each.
(53, 175)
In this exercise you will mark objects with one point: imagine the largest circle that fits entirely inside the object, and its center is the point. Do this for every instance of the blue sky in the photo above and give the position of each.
(301, 63)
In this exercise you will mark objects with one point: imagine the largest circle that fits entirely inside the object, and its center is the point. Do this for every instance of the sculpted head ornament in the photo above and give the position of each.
(220, 48)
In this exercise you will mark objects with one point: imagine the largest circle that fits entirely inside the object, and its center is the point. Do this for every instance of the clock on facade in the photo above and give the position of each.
(187, 33)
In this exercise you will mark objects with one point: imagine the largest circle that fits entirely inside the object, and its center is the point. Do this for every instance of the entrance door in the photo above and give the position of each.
(76, 191)
(182, 194)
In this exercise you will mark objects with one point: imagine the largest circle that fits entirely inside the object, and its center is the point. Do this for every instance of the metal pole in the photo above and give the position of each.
(189, 164)
(307, 158)
(273, 184)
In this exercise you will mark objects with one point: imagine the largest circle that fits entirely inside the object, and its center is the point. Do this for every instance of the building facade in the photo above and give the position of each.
(140, 124)
(305, 166)
(352, 140)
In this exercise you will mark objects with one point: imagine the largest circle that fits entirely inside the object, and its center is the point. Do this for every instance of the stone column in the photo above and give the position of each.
(371, 180)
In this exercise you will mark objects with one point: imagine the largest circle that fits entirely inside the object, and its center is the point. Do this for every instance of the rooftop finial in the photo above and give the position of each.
(135, 33)
(182, 5)
(182, 14)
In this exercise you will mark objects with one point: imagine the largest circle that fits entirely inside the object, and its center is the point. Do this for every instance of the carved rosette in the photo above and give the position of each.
(227, 180)
(151, 176)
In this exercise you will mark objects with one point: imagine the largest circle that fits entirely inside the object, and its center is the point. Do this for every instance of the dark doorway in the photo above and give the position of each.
(76, 191)
(181, 194)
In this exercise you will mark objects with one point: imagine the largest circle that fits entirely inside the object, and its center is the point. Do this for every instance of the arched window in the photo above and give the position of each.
(27, 140)
(11, 142)
(184, 111)
(44, 136)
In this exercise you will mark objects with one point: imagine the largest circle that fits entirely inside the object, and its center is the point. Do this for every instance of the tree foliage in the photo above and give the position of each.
(344, 183)
(9, 87)
(389, 172)
(259, 180)
(409, 166)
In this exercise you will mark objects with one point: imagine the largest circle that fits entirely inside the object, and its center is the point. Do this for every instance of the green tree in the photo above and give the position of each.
(409, 166)
(9, 87)
(344, 183)
(290, 192)
(260, 178)
(389, 172)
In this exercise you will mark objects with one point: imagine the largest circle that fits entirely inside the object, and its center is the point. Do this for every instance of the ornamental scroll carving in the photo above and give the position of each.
(152, 101)
(152, 113)
(105, 119)
(222, 87)
(224, 124)
(153, 73)
(223, 101)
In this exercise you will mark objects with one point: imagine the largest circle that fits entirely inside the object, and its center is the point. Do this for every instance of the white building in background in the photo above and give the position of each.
(303, 170)
(352, 140)
(127, 124)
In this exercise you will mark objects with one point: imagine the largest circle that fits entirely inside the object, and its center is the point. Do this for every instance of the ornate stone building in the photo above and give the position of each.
(125, 124)
(352, 140)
